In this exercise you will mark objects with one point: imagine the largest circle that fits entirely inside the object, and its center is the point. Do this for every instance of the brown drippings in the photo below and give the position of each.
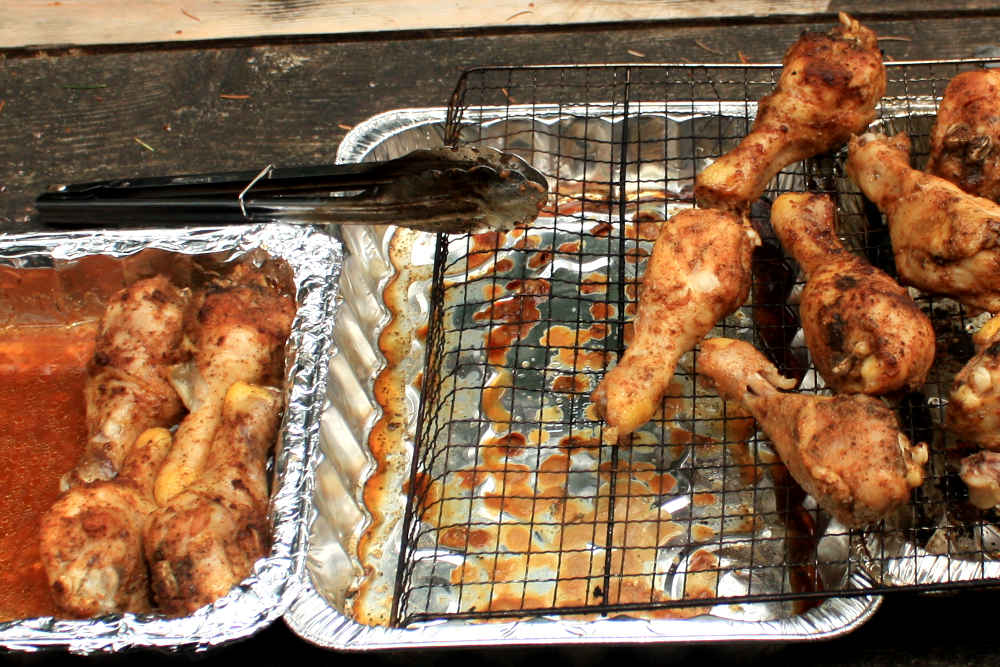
(492, 401)
(602, 311)
(647, 225)
(601, 229)
(636, 254)
(560, 335)
(572, 442)
(577, 383)
(539, 259)
(504, 265)
(483, 247)
(530, 286)
(580, 359)
(496, 450)
(519, 313)
(594, 283)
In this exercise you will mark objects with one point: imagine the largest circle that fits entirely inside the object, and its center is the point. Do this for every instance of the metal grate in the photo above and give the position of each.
(518, 507)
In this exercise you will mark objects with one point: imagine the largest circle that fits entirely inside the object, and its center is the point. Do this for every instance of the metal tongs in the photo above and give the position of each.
(441, 190)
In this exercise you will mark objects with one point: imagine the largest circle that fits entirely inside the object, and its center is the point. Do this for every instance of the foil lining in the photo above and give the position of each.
(352, 568)
(315, 258)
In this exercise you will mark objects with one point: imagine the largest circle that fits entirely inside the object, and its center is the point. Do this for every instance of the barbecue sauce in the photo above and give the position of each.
(42, 373)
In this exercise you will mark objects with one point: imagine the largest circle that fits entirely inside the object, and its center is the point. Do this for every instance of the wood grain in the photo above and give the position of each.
(76, 22)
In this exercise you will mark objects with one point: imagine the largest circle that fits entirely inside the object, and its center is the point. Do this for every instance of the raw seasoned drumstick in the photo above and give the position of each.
(965, 141)
(240, 336)
(208, 537)
(944, 240)
(699, 272)
(828, 90)
(91, 537)
(846, 451)
(127, 391)
(864, 332)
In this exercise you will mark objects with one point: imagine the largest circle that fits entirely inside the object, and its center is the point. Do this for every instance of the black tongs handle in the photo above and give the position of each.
(323, 178)
(451, 190)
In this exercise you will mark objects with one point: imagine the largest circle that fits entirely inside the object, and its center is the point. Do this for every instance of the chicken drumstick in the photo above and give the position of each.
(864, 332)
(965, 141)
(208, 537)
(127, 391)
(91, 537)
(944, 240)
(240, 336)
(846, 451)
(828, 90)
(698, 273)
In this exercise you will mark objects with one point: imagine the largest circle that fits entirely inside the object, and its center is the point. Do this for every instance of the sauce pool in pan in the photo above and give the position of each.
(42, 372)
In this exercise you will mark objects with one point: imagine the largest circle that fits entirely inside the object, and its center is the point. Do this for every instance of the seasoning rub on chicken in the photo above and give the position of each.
(239, 336)
(91, 538)
(698, 273)
(828, 90)
(207, 538)
(944, 240)
(965, 141)
(127, 389)
(846, 451)
(864, 332)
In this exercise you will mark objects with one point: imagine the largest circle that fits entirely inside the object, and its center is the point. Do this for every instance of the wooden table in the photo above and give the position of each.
(85, 111)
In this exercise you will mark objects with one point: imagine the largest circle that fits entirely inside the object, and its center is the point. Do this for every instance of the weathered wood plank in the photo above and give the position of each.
(76, 22)
(28, 23)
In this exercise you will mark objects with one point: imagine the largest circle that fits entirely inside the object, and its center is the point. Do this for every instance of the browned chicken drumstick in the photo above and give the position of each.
(127, 390)
(944, 240)
(965, 141)
(91, 537)
(208, 537)
(698, 273)
(846, 451)
(973, 414)
(864, 332)
(973, 411)
(239, 337)
(981, 473)
(828, 90)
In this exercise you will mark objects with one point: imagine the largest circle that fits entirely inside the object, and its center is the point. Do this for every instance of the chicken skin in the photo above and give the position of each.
(973, 411)
(239, 335)
(698, 273)
(208, 537)
(91, 537)
(965, 141)
(981, 474)
(829, 86)
(846, 451)
(864, 332)
(944, 240)
(127, 390)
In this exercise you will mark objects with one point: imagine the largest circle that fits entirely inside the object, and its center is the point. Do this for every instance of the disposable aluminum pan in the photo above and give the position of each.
(315, 259)
(370, 425)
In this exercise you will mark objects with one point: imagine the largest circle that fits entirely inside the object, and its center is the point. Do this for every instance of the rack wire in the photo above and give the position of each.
(518, 505)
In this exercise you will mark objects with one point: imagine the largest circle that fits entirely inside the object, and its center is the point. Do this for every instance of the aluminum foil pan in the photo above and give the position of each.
(373, 394)
(315, 259)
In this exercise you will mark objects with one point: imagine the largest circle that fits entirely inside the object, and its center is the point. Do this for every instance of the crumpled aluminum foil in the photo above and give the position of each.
(315, 258)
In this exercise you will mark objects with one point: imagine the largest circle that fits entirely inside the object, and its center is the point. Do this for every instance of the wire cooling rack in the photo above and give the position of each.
(518, 507)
